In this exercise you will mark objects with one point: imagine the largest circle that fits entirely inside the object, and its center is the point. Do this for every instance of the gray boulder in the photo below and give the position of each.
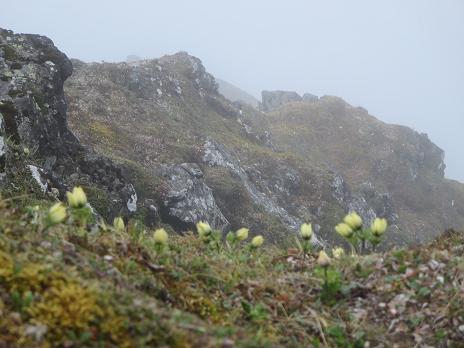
(189, 199)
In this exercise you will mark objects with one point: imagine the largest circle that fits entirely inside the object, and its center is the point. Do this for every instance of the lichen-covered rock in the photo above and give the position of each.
(189, 200)
(33, 119)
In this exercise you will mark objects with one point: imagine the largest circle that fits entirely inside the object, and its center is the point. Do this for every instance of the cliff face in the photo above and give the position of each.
(39, 152)
(164, 144)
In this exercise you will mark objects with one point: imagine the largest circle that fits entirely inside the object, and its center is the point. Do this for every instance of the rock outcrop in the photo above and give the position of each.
(272, 100)
(189, 200)
(35, 140)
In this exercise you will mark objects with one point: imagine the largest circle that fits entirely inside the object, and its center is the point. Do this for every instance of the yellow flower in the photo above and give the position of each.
(353, 220)
(338, 252)
(77, 198)
(379, 226)
(323, 259)
(306, 231)
(56, 214)
(204, 229)
(242, 233)
(118, 224)
(160, 236)
(344, 230)
(257, 241)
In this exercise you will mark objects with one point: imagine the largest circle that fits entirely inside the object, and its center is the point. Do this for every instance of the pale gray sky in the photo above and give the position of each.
(403, 60)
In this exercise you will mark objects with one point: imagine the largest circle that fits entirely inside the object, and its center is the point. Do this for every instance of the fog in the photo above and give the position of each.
(401, 60)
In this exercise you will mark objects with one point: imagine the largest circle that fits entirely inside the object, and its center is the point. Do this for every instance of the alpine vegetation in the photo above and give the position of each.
(69, 278)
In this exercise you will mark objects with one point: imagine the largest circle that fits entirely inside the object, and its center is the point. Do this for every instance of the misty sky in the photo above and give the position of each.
(403, 60)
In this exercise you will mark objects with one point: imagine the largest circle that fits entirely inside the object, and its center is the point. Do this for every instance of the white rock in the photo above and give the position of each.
(38, 178)
(2, 146)
(132, 202)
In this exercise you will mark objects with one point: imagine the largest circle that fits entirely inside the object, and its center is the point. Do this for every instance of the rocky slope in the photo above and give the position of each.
(160, 114)
(381, 169)
(184, 153)
(304, 158)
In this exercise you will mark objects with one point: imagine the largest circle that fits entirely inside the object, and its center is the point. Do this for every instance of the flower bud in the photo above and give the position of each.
(378, 227)
(118, 224)
(353, 220)
(160, 236)
(257, 241)
(56, 214)
(242, 234)
(338, 252)
(204, 229)
(323, 259)
(344, 230)
(77, 198)
(306, 231)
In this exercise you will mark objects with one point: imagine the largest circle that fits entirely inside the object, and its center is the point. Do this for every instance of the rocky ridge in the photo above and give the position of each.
(269, 170)
(162, 144)
(301, 158)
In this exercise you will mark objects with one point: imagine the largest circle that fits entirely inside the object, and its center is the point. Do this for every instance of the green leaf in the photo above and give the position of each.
(423, 292)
